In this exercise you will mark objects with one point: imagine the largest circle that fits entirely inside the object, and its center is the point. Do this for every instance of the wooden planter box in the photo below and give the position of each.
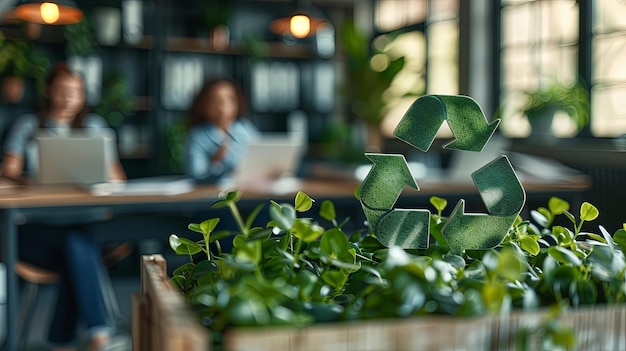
(163, 321)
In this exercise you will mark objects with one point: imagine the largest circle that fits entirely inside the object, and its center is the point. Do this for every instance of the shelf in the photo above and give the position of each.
(271, 49)
(147, 42)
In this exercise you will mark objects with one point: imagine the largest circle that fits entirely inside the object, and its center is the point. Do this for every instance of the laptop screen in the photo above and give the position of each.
(269, 158)
(80, 157)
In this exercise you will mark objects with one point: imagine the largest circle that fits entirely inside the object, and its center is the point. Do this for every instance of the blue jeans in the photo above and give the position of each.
(71, 253)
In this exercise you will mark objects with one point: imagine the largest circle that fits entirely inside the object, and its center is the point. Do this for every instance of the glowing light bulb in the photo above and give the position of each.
(49, 12)
(300, 26)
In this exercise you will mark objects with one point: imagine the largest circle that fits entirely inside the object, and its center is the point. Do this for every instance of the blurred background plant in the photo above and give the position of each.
(117, 102)
(572, 99)
(20, 60)
(369, 73)
(79, 39)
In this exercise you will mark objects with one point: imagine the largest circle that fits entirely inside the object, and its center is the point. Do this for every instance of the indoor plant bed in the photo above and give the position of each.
(586, 325)
(412, 279)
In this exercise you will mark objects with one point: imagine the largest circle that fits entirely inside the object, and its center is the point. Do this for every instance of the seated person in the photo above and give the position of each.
(68, 248)
(218, 133)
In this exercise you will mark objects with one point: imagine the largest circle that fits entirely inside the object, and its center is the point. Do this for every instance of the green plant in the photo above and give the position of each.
(217, 13)
(294, 271)
(366, 85)
(572, 99)
(116, 102)
(14, 57)
(79, 39)
(175, 138)
(18, 58)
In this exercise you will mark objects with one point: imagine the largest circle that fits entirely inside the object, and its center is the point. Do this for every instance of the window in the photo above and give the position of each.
(539, 47)
(540, 44)
(608, 89)
(440, 47)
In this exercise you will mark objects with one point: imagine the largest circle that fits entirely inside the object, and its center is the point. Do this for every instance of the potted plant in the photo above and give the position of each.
(293, 273)
(541, 105)
(19, 60)
(216, 16)
(365, 85)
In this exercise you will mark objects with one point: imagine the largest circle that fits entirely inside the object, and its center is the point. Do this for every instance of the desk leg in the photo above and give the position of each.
(10, 258)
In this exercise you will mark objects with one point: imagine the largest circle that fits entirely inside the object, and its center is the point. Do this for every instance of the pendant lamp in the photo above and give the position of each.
(300, 24)
(49, 12)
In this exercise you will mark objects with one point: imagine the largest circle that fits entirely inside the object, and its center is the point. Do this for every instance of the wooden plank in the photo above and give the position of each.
(140, 323)
(170, 322)
(174, 327)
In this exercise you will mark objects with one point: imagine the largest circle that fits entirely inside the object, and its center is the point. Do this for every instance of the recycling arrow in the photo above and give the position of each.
(385, 181)
(504, 197)
(380, 191)
(497, 183)
(467, 121)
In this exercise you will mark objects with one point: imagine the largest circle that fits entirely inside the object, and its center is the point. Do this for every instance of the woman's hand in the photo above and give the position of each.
(12, 166)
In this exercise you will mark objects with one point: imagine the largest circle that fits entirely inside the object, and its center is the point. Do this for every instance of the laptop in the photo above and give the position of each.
(79, 157)
(271, 160)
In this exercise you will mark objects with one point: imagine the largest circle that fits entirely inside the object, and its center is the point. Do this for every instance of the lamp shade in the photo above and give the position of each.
(299, 25)
(49, 12)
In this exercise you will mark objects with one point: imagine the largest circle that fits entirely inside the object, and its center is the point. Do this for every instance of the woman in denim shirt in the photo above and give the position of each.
(60, 243)
(217, 134)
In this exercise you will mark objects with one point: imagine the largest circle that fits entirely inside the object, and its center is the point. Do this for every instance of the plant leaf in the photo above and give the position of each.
(509, 265)
(202, 268)
(283, 215)
(438, 203)
(607, 237)
(178, 281)
(184, 269)
(334, 243)
(530, 245)
(596, 237)
(174, 242)
(541, 217)
(187, 247)
(195, 227)
(303, 202)
(336, 279)
(587, 292)
(208, 225)
(248, 251)
(620, 238)
(588, 212)
(306, 231)
(564, 255)
(327, 210)
(220, 204)
(557, 205)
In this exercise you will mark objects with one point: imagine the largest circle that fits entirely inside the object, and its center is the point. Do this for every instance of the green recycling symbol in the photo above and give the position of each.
(497, 183)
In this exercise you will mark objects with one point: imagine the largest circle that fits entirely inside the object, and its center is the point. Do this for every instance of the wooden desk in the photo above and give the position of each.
(16, 203)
